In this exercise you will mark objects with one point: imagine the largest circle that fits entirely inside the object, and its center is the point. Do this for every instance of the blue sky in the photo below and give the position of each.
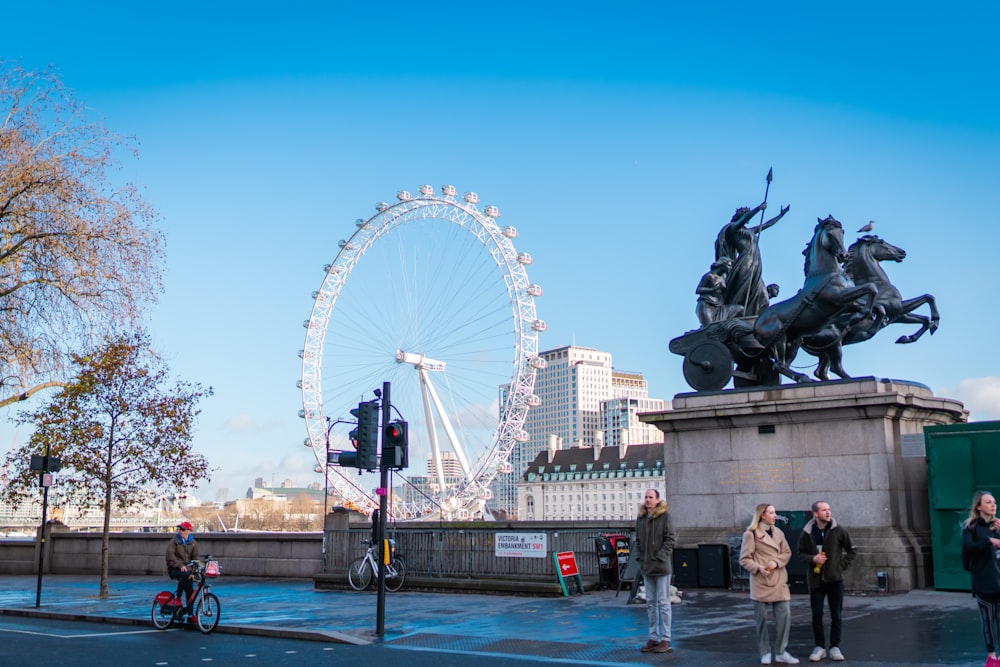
(618, 140)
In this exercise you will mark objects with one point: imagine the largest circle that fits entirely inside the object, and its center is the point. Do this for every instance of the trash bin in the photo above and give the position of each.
(713, 565)
(685, 567)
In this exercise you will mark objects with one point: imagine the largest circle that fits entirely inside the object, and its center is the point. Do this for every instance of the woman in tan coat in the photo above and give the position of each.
(764, 554)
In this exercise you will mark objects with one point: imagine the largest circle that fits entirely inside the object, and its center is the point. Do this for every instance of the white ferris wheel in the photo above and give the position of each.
(441, 307)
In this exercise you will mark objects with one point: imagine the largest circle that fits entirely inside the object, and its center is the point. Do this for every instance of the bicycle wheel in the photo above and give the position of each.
(207, 612)
(163, 615)
(395, 582)
(359, 575)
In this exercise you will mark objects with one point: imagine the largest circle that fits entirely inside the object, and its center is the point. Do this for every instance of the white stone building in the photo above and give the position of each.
(589, 483)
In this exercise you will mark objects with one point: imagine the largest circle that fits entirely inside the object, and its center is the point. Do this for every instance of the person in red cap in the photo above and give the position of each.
(182, 550)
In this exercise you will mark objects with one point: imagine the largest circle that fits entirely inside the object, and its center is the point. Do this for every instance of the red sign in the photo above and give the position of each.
(567, 564)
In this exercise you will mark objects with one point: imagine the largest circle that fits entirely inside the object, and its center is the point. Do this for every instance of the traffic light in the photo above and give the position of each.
(365, 436)
(395, 445)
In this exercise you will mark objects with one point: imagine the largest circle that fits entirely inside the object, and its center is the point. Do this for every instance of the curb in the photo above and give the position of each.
(252, 630)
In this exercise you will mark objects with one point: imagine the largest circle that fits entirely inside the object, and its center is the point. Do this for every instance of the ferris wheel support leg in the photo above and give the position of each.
(456, 446)
(431, 431)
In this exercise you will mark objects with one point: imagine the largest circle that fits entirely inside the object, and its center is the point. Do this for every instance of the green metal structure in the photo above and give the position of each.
(961, 459)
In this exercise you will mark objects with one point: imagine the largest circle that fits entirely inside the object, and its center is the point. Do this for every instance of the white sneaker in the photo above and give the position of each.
(765, 659)
(835, 654)
(786, 658)
(818, 654)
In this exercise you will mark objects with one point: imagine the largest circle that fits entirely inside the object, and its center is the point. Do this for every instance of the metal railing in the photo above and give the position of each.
(470, 552)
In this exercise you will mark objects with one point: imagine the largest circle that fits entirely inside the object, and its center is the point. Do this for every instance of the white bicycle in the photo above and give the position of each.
(365, 569)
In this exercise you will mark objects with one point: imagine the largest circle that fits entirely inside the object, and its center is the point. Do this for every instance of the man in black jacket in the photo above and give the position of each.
(827, 551)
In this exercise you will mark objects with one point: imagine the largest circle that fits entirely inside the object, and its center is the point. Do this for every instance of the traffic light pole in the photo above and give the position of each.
(382, 507)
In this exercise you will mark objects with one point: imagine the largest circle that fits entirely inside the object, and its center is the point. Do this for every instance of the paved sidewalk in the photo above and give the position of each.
(710, 627)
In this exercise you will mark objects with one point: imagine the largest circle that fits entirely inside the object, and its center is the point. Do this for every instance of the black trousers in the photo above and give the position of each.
(834, 592)
(185, 584)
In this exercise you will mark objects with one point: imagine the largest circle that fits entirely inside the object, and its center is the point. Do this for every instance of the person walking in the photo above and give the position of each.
(827, 551)
(655, 540)
(980, 556)
(181, 550)
(765, 554)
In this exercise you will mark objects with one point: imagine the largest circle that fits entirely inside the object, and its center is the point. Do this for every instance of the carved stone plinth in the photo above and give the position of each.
(788, 446)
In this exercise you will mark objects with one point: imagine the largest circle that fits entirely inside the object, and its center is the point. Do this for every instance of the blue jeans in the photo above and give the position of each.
(834, 590)
(658, 607)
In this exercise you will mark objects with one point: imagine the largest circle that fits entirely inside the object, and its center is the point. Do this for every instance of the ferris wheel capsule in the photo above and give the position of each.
(505, 468)
(381, 206)
(485, 494)
(510, 232)
(344, 245)
(520, 435)
(537, 362)
(360, 222)
(491, 211)
(449, 190)
(539, 325)
(532, 400)
(403, 195)
(533, 290)
(426, 190)
(471, 198)
(524, 258)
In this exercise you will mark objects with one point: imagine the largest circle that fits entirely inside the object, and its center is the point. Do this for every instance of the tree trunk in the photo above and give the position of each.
(106, 538)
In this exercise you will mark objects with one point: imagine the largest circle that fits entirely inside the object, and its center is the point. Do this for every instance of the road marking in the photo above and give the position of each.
(78, 636)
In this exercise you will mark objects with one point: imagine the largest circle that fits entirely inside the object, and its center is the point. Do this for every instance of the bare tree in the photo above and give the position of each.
(123, 435)
(78, 257)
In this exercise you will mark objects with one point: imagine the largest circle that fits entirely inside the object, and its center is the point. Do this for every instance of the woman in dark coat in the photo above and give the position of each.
(980, 542)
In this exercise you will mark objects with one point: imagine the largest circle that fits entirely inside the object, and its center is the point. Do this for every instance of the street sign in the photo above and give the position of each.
(566, 569)
(567, 564)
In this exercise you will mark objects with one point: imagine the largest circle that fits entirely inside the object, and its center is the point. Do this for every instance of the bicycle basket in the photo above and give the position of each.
(212, 568)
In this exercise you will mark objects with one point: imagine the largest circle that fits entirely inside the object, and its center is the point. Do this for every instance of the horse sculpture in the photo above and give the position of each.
(863, 266)
(827, 294)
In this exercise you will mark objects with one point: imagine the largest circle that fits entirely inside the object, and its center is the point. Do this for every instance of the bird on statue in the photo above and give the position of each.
(867, 228)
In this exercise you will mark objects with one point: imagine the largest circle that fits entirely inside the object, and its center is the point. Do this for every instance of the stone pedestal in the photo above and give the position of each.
(789, 446)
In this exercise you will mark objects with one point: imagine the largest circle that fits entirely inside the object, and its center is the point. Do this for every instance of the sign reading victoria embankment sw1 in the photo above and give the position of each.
(520, 545)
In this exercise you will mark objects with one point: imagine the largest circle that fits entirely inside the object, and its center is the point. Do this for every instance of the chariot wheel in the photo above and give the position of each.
(708, 365)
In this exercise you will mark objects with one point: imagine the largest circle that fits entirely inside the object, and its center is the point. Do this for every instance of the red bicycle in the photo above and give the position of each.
(169, 608)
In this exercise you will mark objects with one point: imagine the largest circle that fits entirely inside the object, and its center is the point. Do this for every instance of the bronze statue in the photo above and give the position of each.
(766, 345)
(749, 337)
(710, 290)
(744, 285)
(863, 266)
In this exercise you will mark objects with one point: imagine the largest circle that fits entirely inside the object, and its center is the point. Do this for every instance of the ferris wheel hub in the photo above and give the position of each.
(420, 361)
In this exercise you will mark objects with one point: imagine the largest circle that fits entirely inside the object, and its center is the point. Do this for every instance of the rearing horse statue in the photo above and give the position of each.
(863, 266)
(828, 293)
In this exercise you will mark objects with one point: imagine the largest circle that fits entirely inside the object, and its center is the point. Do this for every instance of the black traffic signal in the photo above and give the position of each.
(395, 445)
(365, 436)
(45, 463)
